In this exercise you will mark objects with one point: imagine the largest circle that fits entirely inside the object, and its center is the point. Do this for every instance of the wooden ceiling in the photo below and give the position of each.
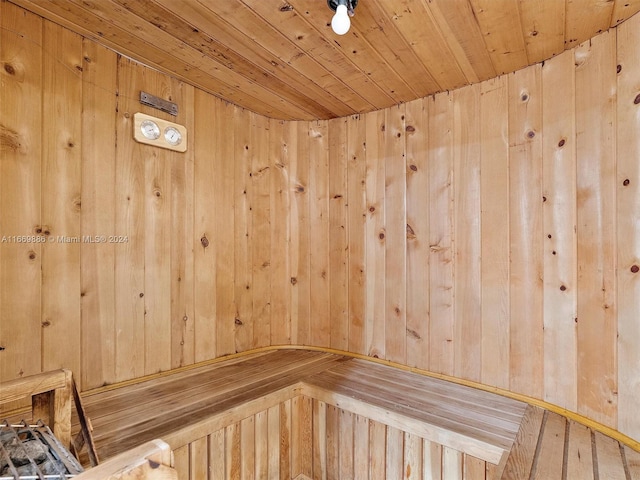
(280, 58)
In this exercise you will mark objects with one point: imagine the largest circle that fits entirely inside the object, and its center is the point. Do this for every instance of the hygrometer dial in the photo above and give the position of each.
(172, 135)
(150, 129)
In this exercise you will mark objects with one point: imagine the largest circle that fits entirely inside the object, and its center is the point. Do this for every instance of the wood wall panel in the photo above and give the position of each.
(419, 233)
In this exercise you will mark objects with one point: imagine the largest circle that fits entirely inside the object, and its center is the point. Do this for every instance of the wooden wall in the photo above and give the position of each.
(489, 233)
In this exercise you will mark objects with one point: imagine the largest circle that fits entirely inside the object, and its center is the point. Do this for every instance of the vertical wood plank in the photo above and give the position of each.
(319, 233)
(233, 453)
(559, 228)
(273, 442)
(452, 466)
(596, 193)
(98, 288)
(333, 442)
(300, 236)
(441, 325)
(217, 467)
(319, 440)
(199, 459)
(378, 450)
(301, 436)
(361, 459)
(418, 292)
(432, 460)
(467, 236)
(609, 458)
(183, 228)
(181, 462)
(130, 221)
(551, 451)
(525, 227)
(285, 440)
(242, 233)
(395, 236)
(346, 441)
(412, 457)
(260, 207)
(633, 462)
(356, 216)
(395, 452)
(204, 229)
(281, 152)
(628, 228)
(338, 235)
(61, 196)
(494, 226)
(262, 444)
(579, 452)
(223, 184)
(248, 441)
(474, 468)
(374, 326)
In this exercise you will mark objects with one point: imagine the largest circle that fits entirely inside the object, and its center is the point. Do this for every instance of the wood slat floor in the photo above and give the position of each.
(542, 444)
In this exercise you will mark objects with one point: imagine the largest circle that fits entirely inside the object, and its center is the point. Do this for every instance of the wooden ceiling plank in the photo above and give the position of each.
(622, 10)
(543, 27)
(462, 33)
(380, 32)
(358, 50)
(126, 43)
(248, 24)
(177, 27)
(225, 43)
(499, 22)
(586, 18)
(294, 27)
(417, 26)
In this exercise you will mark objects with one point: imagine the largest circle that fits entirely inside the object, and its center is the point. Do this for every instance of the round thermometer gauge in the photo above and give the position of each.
(172, 135)
(150, 129)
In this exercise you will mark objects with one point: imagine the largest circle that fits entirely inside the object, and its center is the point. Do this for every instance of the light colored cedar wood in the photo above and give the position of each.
(628, 230)
(333, 442)
(506, 46)
(319, 443)
(300, 235)
(183, 228)
(632, 458)
(338, 236)
(280, 207)
(216, 459)
(223, 183)
(579, 458)
(525, 231)
(395, 450)
(243, 321)
(622, 11)
(157, 245)
(415, 21)
(232, 452)
(543, 25)
(273, 441)
(374, 324)
(432, 459)
(550, 453)
(285, 440)
(356, 217)
(590, 16)
(247, 447)
(260, 217)
(301, 435)
(474, 468)
(320, 330)
(361, 448)
(61, 196)
(559, 231)
(417, 233)
(181, 462)
(412, 457)
(346, 444)
(608, 456)
(522, 454)
(441, 329)
(395, 236)
(97, 275)
(262, 444)
(198, 458)
(452, 464)
(467, 233)
(20, 193)
(494, 228)
(205, 229)
(130, 221)
(595, 147)
(377, 455)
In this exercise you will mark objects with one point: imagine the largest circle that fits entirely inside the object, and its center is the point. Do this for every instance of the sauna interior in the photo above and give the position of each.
(409, 251)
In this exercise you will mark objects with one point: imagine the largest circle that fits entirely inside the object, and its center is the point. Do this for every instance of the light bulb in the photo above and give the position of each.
(340, 21)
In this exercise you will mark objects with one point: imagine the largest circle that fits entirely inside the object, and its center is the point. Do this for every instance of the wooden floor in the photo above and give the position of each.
(542, 445)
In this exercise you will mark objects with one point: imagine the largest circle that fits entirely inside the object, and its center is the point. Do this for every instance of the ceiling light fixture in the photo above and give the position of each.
(340, 22)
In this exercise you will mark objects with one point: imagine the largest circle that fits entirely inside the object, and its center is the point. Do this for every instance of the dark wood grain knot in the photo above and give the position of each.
(635, 269)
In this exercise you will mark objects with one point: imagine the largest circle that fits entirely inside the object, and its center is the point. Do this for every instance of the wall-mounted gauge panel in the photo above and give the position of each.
(159, 133)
